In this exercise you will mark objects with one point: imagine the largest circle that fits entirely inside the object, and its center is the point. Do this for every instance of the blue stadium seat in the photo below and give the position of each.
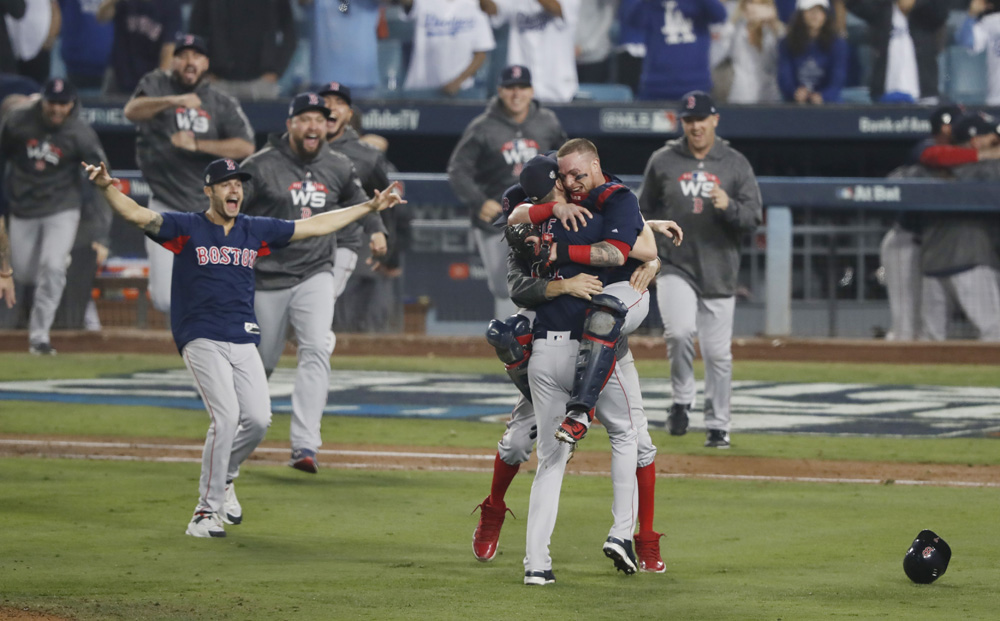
(604, 92)
(965, 75)
(856, 95)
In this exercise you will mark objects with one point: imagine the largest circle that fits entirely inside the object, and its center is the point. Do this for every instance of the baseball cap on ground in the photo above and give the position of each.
(304, 102)
(223, 169)
(190, 42)
(968, 127)
(335, 88)
(58, 90)
(805, 5)
(538, 177)
(945, 115)
(697, 103)
(515, 75)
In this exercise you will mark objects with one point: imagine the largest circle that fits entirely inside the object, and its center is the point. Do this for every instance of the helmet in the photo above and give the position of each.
(927, 559)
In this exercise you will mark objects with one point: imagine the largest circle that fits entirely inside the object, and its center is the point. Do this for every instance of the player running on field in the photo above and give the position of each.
(212, 317)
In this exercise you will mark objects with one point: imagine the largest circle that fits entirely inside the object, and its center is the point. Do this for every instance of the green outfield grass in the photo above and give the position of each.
(104, 540)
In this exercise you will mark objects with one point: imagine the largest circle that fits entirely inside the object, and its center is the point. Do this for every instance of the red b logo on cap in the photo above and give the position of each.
(57, 86)
(690, 102)
(230, 165)
(515, 72)
(334, 86)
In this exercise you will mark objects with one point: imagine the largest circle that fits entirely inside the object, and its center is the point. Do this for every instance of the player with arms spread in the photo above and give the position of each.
(212, 315)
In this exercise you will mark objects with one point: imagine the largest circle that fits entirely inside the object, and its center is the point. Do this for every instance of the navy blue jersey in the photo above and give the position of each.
(213, 281)
(616, 217)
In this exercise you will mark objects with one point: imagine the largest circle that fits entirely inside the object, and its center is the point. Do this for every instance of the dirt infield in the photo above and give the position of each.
(128, 340)
(716, 464)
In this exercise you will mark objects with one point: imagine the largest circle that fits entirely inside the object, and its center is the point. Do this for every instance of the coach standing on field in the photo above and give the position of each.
(710, 190)
(184, 123)
(296, 176)
(488, 159)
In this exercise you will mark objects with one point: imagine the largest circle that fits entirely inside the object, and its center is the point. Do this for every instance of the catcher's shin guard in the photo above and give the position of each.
(602, 330)
(512, 339)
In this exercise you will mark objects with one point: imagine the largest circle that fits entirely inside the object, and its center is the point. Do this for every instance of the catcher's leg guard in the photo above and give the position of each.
(512, 340)
(602, 330)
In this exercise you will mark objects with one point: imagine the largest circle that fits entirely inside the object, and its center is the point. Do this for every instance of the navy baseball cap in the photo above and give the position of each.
(945, 115)
(697, 103)
(515, 75)
(968, 127)
(223, 169)
(194, 42)
(538, 177)
(304, 102)
(58, 90)
(335, 88)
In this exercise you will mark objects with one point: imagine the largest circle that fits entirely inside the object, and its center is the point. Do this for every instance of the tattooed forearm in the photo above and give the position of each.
(603, 254)
(153, 226)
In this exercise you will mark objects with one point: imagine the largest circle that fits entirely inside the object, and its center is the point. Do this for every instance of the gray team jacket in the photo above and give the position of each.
(373, 170)
(174, 174)
(43, 172)
(676, 186)
(284, 186)
(491, 152)
(956, 242)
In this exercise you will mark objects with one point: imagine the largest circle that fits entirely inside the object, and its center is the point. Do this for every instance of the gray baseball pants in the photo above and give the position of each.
(308, 309)
(900, 256)
(40, 250)
(231, 381)
(685, 314)
(161, 265)
(977, 292)
(493, 250)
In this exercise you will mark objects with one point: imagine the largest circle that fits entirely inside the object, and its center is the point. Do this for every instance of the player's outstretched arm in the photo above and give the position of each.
(332, 221)
(146, 219)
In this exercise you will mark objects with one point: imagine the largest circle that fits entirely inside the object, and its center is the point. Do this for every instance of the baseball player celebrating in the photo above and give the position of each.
(295, 176)
(512, 339)
(212, 318)
(709, 189)
(184, 123)
(42, 142)
(372, 169)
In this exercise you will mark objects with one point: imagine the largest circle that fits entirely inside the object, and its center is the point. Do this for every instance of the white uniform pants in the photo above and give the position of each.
(40, 250)
(553, 363)
(684, 315)
(978, 293)
(344, 262)
(161, 265)
(307, 307)
(493, 250)
(900, 256)
(231, 381)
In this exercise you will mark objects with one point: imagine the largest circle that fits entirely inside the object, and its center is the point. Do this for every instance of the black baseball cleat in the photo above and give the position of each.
(539, 578)
(677, 420)
(620, 551)
(717, 438)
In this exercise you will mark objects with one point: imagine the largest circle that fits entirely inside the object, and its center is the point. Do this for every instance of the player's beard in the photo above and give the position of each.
(300, 147)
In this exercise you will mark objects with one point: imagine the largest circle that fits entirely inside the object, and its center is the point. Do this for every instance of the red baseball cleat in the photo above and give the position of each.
(487, 535)
(647, 548)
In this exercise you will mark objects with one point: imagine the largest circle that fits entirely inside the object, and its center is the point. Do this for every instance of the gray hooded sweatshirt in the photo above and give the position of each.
(43, 172)
(676, 186)
(373, 170)
(288, 187)
(490, 154)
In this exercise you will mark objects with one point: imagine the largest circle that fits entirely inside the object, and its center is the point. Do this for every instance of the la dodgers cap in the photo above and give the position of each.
(304, 102)
(538, 176)
(184, 41)
(945, 115)
(697, 103)
(335, 88)
(58, 90)
(223, 169)
(968, 127)
(515, 75)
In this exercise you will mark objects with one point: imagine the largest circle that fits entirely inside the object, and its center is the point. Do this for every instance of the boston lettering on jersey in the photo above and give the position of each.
(226, 255)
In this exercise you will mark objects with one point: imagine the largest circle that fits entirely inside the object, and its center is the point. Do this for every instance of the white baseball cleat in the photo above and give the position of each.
(205, 523)
(232, 512)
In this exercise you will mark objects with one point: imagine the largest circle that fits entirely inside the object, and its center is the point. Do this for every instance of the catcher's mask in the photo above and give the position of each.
(927, 559)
